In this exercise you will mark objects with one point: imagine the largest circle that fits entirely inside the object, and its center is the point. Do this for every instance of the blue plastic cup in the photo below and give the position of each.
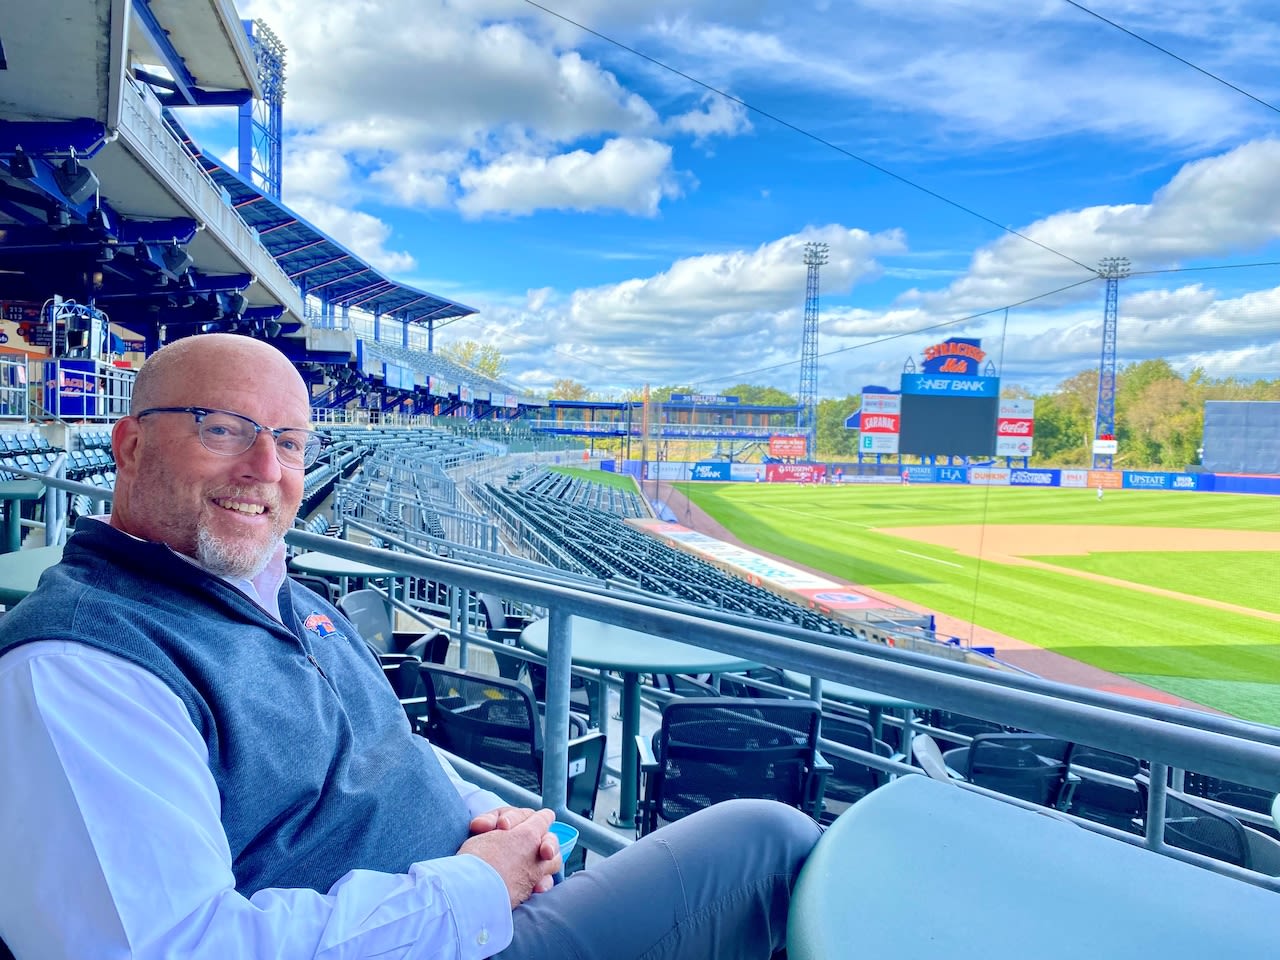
(568, 837)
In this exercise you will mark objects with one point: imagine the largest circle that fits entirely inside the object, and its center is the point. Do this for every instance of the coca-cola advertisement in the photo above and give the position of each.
(1015, 428)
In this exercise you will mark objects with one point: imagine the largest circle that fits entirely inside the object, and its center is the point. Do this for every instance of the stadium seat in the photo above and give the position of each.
(710, 749)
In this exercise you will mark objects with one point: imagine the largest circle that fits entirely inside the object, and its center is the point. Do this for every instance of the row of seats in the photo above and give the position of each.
(24, 441)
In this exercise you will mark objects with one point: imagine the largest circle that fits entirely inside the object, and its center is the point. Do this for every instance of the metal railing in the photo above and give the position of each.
(15, 388)
(1164, 735)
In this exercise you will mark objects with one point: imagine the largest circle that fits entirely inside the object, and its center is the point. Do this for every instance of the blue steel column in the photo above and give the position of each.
(815, 255)
(1113, 270)
(262, 121)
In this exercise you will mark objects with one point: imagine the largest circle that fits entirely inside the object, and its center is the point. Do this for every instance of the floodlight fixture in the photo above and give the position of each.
(77, 182)
(20, 165)
(176, 260)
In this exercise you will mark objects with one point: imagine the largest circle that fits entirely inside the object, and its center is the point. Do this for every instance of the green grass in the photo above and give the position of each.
(1111, 626)
(1246, 578)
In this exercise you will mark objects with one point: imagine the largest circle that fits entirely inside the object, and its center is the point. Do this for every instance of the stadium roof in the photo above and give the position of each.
(330, 270)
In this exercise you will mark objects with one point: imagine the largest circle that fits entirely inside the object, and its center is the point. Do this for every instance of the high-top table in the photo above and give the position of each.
(994, 881)
(21, 569)
(13, 494)
(605, 646)
(327, 565)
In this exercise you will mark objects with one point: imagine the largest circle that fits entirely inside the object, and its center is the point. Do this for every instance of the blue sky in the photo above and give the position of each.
(619, 224)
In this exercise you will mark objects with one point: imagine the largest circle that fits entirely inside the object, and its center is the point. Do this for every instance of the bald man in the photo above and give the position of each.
(199, 757)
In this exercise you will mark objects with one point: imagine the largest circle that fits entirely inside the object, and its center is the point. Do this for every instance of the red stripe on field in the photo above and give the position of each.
(1142, 693)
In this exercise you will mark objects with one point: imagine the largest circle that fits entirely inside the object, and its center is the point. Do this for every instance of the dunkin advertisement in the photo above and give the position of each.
(1015, 428)
(879, 422)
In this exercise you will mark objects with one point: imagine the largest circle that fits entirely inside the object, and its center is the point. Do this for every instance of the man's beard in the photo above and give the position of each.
(236, 559)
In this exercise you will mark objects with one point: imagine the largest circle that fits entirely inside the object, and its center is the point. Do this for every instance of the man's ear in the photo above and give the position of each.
(126, 438)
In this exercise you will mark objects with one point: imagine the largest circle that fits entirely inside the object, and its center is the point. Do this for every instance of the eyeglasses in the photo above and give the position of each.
(231, 434)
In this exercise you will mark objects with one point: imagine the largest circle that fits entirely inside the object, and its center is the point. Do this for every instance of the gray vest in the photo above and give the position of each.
(317, 769)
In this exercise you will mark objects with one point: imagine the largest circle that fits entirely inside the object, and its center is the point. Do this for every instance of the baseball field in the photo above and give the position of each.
(1178, 591)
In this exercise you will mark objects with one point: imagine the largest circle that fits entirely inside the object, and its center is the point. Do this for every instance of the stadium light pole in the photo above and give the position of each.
(1112, 270)
(815, 255)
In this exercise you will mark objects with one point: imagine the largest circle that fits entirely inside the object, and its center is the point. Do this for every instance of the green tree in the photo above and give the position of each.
(567, 389)
(484, 358)
(835, 440)
(760, 395)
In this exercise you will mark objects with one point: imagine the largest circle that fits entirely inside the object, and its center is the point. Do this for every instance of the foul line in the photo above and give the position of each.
(934, 559)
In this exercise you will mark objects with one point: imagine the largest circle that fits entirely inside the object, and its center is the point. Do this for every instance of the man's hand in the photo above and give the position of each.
(500, 818)
(525, 854)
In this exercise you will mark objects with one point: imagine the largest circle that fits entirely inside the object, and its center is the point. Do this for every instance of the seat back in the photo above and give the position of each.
(491, 721)
(849, 780)
(1097, 797)
(1024, 765)
(370, 613)
(1191, 824)
(710, 749)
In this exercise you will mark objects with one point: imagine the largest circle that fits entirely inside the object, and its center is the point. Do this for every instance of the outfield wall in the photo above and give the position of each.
(719, 471)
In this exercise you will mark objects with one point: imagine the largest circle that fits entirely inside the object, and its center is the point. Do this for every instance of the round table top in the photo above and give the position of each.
(836, 690)
(326, 564)
(607, 646)
(20, 571)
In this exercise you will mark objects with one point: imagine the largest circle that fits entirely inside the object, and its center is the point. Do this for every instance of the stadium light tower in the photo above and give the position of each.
(815, 255)
(262, 121)
(1113, 270)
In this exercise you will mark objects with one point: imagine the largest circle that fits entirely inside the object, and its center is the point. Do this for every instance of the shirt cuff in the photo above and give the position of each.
(478, 903)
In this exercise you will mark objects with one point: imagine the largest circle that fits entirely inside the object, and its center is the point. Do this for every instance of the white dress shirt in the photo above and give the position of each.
(111, 843)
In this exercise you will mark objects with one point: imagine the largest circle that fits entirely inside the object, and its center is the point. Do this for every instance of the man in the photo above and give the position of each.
(200, 758)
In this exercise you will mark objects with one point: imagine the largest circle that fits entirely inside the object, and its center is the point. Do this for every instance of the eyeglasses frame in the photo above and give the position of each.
(199, 413)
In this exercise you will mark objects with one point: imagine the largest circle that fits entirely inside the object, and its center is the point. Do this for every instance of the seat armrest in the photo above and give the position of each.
(644, 749)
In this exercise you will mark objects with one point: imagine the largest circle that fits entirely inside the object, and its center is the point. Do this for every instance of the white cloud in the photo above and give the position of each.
(361, 233)
(715, 116)
(630, 175)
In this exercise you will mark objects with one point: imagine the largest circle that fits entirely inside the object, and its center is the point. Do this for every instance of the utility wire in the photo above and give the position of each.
(905, 333)
(1155, 46)
(812, 136)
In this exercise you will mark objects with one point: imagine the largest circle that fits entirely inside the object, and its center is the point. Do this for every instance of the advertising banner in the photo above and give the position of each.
(1107, 479)
(1013, 446)
(1183, 481)
(923, 384)
(988, 477)
(918, 474)
(1146, 480)
(871, 478)
(880, 403)
(1034, 478)
(1105, 447)
(711, 470)
(1017, 409)
(794, 472)
(464, 393)
(744, 472)
(780, 446)
(1015, 428)
(666, 470)
(951, 475)
(879, 422)
(1074, 478)
(878, 443)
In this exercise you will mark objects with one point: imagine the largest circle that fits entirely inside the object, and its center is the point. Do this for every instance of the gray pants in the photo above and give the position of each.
(716, 884)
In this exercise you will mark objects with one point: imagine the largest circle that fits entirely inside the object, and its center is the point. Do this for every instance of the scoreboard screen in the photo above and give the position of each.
(948, 426)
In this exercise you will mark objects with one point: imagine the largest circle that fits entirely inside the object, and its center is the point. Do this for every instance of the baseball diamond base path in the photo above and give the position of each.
(1019, 653)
